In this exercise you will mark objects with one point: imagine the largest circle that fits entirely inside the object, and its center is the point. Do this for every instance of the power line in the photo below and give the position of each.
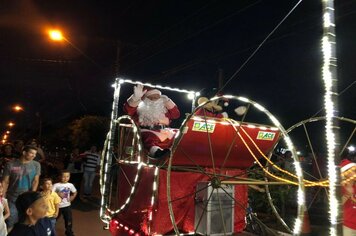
(259, 46)
(193, 34)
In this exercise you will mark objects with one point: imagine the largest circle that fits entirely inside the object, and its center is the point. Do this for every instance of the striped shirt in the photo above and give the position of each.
(91, 161)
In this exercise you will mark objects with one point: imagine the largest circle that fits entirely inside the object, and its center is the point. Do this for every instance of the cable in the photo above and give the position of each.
(194, 34)
(259, 46)
(167, 30)
(344, 90)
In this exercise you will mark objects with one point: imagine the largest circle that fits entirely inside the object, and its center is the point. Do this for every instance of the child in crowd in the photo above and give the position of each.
(4, 212)
(32, 209)
(52, 200)
(67, 192)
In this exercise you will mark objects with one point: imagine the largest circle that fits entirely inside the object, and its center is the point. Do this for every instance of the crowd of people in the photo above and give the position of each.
(33, 196)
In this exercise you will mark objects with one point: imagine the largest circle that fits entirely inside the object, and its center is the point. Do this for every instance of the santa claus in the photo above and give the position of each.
(153, 112)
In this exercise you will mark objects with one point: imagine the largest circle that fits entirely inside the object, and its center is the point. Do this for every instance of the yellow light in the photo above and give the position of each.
(11, 124)
(55, 35)
(17, 108)
(7, 132)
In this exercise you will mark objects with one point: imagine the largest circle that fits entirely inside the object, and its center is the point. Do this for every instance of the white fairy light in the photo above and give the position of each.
(259, 107)
(327, 21)
(297, 226)
(228, 96)
(300, 195)
(191, 96)
(243, 99)
(328, 46)
(284, 134)
(158, 86)
(351, 148)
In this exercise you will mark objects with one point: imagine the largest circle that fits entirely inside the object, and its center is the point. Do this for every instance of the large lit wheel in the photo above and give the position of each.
(212, 156)
(308, 138)
(118, 181)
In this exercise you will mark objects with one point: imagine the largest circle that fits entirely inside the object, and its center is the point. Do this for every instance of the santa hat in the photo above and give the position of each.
(152, 91)
(346, 164)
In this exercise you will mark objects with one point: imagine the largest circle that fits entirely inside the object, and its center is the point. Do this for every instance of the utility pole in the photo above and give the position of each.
(117, 61)
(220, 78)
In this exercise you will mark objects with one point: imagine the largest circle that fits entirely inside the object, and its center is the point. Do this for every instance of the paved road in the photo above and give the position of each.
(86, 221)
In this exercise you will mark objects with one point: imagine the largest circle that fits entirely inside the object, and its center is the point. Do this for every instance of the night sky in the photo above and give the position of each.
(175, 43)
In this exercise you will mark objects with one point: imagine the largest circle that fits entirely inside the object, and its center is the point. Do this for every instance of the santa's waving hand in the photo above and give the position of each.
(138, 92)
(153, 112)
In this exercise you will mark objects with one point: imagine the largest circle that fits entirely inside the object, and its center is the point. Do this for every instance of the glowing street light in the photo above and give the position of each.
(11, 124)
(17, 108)
(55, 35)
(7, 132)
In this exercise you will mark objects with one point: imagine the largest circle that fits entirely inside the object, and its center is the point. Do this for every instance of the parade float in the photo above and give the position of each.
(201, 188)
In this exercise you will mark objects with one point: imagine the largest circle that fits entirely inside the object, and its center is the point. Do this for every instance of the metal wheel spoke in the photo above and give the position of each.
(221, 211)
(210, 146)
(348, 141)
(190, 194)
(195, 164)
(204, 210)
(314, 198)
(235, 201)
(312, 150)
(125, 175)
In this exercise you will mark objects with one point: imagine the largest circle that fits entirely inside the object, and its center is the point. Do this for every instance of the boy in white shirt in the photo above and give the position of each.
(67, 192)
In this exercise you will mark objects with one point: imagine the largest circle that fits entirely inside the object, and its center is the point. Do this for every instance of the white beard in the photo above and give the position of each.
(152, 112)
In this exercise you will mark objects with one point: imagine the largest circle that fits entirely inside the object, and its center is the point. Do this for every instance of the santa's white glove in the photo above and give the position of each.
(138, 92)
(168, 103)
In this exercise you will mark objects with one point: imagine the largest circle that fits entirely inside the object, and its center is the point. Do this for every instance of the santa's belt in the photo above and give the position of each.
(154, 127)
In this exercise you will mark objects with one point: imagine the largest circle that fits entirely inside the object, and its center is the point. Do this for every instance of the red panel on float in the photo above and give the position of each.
(227, 148)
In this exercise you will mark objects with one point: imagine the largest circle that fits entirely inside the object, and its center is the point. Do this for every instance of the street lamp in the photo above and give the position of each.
(17, 108)
(11, 124)
(55, 35)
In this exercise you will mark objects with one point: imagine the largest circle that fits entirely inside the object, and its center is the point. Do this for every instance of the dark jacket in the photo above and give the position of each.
(43, 227)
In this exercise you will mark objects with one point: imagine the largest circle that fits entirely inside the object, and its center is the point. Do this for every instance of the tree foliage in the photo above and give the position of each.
(89, 130)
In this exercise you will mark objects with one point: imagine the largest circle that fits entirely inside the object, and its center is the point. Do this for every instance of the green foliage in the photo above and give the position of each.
(89, 130)
(282, 195)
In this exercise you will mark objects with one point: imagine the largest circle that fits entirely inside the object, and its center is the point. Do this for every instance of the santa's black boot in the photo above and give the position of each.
(161, 153)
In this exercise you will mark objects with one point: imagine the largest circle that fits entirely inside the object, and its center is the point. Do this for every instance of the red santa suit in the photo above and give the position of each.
(207, 113)
(154, 118)
(349, 206)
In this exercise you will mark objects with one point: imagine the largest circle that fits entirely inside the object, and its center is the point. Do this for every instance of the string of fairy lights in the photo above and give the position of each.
(108, 213)
(276, 123)
(328, 46)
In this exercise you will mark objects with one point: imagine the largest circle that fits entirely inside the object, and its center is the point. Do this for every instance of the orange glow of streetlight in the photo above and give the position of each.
(11, 124)
(17, 108)
(3, 141)
(7, 132)
(55, 35)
